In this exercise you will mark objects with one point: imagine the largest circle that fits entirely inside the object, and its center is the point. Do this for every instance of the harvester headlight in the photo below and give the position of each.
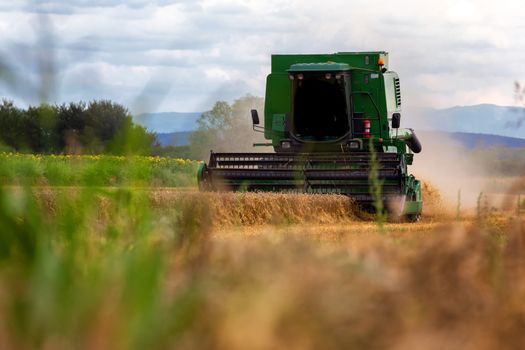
(286, 144)
(328, 76)
(300, 76)
(291, 77)
(354, 145)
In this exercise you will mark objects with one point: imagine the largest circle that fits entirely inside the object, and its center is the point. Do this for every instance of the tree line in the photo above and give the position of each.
(104, 126)
(90, 128)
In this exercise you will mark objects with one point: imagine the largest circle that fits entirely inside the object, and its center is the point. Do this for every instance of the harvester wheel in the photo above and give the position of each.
(413, 217)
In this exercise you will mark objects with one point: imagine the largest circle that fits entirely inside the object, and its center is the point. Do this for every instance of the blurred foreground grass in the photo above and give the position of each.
(130, 268)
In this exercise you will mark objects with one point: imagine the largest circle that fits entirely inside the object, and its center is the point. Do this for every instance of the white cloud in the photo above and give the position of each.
(194, 52)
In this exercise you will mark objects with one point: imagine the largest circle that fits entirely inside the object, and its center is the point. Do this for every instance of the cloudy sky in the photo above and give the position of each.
(183, 55)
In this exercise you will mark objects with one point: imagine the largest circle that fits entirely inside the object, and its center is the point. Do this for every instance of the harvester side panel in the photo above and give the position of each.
(277, 105)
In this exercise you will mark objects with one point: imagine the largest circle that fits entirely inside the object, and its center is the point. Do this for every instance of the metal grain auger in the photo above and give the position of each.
(328, 117)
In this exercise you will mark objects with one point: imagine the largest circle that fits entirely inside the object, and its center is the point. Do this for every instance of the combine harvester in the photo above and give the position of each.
(334, 123)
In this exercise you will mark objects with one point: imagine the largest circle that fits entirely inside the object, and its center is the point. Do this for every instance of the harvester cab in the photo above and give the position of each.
(329, 118)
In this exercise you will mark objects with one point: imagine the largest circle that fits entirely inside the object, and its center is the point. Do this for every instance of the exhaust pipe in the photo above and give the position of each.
(413, 143)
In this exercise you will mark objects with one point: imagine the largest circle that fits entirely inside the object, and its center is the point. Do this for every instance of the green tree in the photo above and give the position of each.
(103, 120)
(96, 127)
(226, 128)
(70, 124)
(212, 127)
(132, 139)
(100, 127)
(40, 128)
(220, 118)
(12, 126)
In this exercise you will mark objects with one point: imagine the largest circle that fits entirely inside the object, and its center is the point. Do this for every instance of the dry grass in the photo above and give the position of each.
(233, 209)
(160, 268)
(454, 287)
(247, 209)
(433, 203)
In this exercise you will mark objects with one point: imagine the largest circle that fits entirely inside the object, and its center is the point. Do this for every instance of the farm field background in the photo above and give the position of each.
(100, 252)
(96, 170)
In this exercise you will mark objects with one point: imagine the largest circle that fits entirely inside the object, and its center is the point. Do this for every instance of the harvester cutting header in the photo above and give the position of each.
(329, 117)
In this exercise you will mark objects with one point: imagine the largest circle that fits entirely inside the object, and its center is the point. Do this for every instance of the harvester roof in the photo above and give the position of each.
(282, 63)
(319, 67)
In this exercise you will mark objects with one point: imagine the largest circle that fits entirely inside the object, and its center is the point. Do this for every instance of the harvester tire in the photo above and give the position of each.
(413, 217)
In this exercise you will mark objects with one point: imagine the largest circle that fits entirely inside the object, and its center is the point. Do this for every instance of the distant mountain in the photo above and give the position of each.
(478, 119)
(471, 140)
(470, 125)
(479, 140)
(168, 122)
(179, 138)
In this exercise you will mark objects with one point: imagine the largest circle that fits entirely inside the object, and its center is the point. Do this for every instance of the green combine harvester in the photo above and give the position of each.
(334, 123)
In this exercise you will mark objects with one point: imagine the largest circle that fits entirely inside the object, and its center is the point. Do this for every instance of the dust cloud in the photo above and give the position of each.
(241, 136)
(446, 164)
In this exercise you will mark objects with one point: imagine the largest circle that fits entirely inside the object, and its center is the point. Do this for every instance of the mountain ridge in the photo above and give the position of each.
(480, 119)
(168, 122)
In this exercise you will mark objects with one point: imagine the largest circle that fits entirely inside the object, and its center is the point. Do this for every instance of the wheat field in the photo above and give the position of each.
(132, 266)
